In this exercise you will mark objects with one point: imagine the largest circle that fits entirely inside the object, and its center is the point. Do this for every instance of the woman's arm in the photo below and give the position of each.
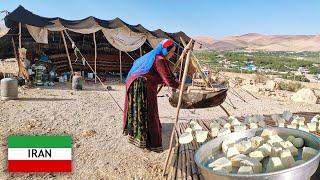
(166, 75)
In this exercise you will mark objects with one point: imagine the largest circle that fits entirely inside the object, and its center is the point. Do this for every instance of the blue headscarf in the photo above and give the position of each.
(143, 64)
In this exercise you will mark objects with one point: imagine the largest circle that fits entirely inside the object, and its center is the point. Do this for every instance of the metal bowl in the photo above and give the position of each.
(300, 172)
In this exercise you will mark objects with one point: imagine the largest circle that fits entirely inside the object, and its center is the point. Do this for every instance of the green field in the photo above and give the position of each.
(278, 62)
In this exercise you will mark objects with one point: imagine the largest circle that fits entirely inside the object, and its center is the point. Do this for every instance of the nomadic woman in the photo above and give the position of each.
(141, 118)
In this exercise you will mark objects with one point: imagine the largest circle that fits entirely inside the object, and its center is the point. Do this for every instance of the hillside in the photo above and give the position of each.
(254, 41)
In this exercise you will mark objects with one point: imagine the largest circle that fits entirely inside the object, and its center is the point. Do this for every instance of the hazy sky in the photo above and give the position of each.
(215, 18)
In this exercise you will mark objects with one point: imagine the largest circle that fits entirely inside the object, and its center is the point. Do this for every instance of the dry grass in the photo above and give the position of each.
(290, 86)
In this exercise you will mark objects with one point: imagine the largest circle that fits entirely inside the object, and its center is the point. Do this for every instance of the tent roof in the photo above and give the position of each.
(24, 16)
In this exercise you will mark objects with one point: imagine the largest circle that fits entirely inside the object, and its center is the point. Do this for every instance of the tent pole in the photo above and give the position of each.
(19, 35)
(140, 52)
(66, 47)
(95, 57)
(120, 66)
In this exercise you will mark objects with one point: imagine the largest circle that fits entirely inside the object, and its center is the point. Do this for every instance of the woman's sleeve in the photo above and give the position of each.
(164, 71)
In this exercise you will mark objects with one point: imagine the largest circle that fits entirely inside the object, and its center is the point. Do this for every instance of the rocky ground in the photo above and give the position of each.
(94, 121)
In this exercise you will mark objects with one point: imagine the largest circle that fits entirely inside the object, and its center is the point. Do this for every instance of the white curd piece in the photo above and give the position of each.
(245, 170)
(185, 138)
(308, 153)
(274, 164)
(223, 162)
(287, 158)
(257, 155)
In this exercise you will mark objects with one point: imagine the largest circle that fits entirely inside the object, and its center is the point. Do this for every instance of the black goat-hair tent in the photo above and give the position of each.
(81, 32)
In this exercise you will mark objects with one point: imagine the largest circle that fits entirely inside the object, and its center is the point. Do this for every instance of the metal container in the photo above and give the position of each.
(77, 82)
(9, 89)
(300, 172)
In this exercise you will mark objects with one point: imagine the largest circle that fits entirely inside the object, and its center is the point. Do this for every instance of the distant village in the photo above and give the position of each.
(223, 62)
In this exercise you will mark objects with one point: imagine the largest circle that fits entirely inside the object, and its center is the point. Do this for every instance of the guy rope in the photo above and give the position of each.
(84, 59)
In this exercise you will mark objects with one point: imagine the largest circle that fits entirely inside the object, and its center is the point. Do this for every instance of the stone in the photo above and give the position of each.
(88, 133)
(271, 85)
(305, 95)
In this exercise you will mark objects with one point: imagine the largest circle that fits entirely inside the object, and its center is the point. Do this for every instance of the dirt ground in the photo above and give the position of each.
(94, 121)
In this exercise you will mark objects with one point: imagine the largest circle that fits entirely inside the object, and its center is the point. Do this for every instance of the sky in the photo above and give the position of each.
(215, 18)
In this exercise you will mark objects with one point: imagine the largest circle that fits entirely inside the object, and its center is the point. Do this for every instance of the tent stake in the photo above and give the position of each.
(185, 72)
(95, 57)
(66, 47)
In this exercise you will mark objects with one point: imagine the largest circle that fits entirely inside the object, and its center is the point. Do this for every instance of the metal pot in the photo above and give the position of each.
(300, 172)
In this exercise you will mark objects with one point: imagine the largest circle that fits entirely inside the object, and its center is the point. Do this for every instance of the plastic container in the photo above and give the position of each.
(9, 89)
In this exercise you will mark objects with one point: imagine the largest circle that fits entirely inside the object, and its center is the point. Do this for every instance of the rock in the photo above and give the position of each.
(305, 95)
(317, 92)
(271, 85)
(87, 133)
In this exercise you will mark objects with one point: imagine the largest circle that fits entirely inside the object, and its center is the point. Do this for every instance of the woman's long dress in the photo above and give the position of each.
(141, 118)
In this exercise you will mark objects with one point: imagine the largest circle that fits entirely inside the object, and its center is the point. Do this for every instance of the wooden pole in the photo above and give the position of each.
(182, 56)
(15, 52)
(184, 77)
(140, 52)
(95, 57)
(66, 47)
(120, 66)
(180, 72)
(20, 35)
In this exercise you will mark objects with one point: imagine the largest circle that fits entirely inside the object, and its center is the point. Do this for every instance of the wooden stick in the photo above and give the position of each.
(196, 64)
(184, 52)
(182, 56)
(20, 35)
(179, 103)
(140, 51)
(179, 168)
(187, 158)
(66, 47)
(192, 148)
(180, 72)
(224, 110)
(199, 69)
(15, 54)
(95, 57)
(120, 66)
(174, 159)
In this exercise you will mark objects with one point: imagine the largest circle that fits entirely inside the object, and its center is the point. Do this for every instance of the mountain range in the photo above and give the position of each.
(260, 42)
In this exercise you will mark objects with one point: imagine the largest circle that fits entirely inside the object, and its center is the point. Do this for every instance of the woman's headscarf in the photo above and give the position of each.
(143, 64)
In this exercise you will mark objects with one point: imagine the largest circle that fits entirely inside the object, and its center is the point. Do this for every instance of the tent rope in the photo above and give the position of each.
(70, 39)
